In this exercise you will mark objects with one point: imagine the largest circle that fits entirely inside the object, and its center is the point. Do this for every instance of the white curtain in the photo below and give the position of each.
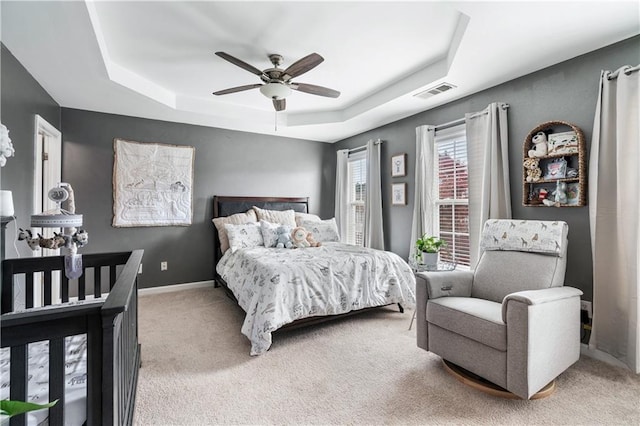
(488, 156)
(342, 193)
(424, 220)
(614, 203)
(373, 229)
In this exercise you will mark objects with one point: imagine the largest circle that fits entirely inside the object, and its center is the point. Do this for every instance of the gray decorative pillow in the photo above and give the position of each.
(323, 231)
(247, 235)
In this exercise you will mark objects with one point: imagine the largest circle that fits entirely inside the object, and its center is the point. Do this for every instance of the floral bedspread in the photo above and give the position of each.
(278, 286)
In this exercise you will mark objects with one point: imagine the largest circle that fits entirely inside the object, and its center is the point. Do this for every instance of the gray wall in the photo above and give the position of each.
(22, 98)
(567, 91)
(226, 163)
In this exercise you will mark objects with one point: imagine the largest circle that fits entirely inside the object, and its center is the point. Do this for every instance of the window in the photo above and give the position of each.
(452, 202)
(357, 178)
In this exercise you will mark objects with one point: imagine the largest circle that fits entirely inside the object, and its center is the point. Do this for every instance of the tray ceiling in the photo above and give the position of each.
(156, 59)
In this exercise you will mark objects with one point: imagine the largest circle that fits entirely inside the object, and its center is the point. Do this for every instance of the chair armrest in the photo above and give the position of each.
(449, 283)
(543, 336)
(538, 297)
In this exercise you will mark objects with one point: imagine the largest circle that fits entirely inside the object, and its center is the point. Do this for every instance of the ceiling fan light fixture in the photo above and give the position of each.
(277, 91)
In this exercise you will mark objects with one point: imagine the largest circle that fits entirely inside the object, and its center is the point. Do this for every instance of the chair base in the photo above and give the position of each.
(483, 385)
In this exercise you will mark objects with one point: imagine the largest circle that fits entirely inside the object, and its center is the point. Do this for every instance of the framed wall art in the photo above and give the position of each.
(398, 165)
(152, 184)
(399, 194)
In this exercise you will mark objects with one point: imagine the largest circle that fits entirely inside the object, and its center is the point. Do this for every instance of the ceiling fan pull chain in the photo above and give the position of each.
(275, 115)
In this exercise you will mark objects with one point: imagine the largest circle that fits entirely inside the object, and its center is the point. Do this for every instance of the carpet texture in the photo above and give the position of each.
(364, 369)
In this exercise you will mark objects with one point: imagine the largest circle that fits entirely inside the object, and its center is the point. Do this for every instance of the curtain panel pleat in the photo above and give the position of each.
(614, 203)
(342, 193)
(424, 217)
(488, 156)
(373, 226)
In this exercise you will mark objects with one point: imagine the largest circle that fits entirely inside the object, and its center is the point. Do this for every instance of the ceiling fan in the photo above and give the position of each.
(277, 82)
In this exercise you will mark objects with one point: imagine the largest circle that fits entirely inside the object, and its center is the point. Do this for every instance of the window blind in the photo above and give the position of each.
(452, 203)
(357, 176)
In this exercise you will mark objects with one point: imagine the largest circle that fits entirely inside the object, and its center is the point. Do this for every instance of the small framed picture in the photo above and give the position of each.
(562, 143)
(399, 194)
(573, 194)
(556, 169)
(398, 165)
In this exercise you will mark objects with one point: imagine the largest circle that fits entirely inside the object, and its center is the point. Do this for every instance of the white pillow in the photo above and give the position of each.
(235, 219)
(306, 217)
(283, 217)
(246, 235)
(323, 231)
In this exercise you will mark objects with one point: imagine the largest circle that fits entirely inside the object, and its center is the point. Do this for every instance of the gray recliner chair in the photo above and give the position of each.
(510, 321)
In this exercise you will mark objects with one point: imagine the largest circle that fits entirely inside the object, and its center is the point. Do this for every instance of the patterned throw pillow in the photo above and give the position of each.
(270, 232)
(235, 219)
(283, 217)
(536, 236)
(247, 235)
(306, 217)
(323, 231)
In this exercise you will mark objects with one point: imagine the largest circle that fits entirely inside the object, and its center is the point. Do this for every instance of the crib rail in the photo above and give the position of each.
(92, 266)
(113, 353)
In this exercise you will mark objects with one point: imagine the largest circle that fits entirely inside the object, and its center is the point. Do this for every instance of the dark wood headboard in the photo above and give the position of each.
(226, 206)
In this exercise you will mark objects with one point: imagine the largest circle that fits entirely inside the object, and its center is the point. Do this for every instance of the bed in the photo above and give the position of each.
(279, 288)
(83, 350)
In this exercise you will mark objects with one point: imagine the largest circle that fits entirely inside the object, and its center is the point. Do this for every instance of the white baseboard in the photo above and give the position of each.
(601, 356)
(174, 287)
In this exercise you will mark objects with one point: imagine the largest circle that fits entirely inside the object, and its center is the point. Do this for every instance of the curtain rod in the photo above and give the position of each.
(627, 71)
(360, 148)
(461, 120)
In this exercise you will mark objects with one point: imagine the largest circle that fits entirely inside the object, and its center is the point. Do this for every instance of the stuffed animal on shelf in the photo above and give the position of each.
(540, 147)
(532, 165)
(284, 238)
(559, 195)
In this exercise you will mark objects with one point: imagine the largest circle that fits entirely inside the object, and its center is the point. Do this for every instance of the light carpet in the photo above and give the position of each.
(365, 369)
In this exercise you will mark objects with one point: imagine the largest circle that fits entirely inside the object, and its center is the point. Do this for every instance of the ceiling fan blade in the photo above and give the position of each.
(240, 63)
(279, 104)
(303, 65)
(315, 90)
(237, 89)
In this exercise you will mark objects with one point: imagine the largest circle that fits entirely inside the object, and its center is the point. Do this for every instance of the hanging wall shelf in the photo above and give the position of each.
(554, 166)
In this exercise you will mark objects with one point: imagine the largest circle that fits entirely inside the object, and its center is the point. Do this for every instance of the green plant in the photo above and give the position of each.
(429, 244)
(13, 408)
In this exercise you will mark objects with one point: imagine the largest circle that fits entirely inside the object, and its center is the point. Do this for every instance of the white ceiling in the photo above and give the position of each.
(156, 59)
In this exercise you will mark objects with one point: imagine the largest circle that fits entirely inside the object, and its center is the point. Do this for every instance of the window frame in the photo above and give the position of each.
(352, 202)
(449, 136)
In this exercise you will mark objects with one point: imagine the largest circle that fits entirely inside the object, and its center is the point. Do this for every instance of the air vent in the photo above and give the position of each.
(440, 88)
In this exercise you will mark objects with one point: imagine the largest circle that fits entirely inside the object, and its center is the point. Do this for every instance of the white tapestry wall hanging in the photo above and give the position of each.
(152, 184)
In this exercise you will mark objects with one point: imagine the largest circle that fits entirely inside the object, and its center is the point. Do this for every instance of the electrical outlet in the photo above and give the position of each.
(585, 305)
(140, 269)
(163, 266)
